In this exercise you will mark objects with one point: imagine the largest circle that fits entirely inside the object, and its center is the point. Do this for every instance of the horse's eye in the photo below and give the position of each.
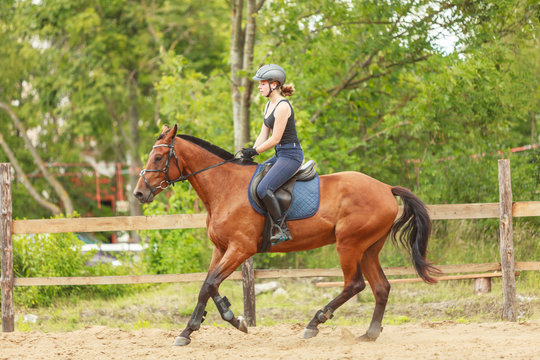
(158, 159)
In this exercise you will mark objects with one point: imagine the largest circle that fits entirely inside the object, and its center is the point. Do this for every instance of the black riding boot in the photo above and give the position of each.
(280, 226)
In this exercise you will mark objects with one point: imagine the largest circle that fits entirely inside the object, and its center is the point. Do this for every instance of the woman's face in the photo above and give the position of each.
(264, 87)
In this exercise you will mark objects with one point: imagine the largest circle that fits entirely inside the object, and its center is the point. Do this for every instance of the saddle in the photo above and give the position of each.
(284, 195)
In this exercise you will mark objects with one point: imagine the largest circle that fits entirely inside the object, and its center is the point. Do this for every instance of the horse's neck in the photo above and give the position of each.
(216, 185)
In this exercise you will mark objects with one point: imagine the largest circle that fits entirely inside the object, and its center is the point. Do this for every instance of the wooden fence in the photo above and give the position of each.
(505, 210)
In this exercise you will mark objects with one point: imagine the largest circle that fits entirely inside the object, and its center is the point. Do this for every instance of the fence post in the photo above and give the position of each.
(507, 242)
(6, 281)
(248, 282)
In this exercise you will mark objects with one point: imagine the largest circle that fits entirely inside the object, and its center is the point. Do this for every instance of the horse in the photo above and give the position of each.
(356, 212)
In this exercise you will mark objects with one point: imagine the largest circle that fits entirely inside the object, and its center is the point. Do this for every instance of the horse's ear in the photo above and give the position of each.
(175, 129)
(165, 129)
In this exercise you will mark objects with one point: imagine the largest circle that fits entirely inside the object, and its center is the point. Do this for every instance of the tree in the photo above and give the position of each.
(359, 68)
(375, 91)
(24, 180)
(241, 58)
(16, 90)
(58, 188)
(98, 64)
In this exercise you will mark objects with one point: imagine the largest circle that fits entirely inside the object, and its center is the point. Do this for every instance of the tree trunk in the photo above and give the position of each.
(237, 49)
(242, 44)
(246, 81)
(55, 184)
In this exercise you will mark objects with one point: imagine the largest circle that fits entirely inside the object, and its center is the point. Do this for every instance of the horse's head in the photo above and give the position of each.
(162, 167)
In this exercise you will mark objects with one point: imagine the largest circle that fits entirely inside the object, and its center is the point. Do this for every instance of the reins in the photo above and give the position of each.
(165, 170)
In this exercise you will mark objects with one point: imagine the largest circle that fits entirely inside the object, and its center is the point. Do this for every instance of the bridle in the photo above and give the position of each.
(167, 181)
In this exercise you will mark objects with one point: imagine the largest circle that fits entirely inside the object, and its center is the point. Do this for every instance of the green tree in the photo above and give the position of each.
(17, 99)
(92, 67)
(361, 69)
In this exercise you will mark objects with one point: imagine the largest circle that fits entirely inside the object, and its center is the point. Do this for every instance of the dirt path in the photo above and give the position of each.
(433, 340)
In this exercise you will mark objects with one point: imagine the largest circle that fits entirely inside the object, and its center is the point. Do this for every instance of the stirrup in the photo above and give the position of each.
(281, 234)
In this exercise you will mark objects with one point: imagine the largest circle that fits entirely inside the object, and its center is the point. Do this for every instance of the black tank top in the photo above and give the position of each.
(289, 134)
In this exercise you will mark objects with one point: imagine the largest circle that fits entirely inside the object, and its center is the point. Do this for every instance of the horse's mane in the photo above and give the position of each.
(214, 149)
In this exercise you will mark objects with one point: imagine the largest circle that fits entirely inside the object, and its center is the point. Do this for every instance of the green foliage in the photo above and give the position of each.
(47, 255)
(81, 75)
(176, 251)
(59, 255)
(525, 169)
(374, 74)
(197, 102)
(391, 104)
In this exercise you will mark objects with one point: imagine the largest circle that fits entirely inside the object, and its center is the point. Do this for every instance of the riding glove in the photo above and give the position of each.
(249, 152)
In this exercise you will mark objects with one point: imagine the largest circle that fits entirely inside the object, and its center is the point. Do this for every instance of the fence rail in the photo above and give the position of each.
(258, 274)
(8, 227)
(190, 221)
(114, 223)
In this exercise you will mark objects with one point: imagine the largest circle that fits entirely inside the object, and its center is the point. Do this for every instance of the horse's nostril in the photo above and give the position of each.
(138, 194)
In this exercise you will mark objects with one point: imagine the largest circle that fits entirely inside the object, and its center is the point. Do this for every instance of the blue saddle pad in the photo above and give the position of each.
(307, 197)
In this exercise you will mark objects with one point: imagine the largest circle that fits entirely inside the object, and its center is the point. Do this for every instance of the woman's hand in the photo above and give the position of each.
(249, 153)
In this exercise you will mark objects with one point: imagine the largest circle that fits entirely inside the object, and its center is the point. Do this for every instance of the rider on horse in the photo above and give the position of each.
(278, 131)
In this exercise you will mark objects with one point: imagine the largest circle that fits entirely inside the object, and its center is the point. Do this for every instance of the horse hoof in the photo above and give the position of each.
(242, 324)
(366, 338)
(309, 333)
(181, 341)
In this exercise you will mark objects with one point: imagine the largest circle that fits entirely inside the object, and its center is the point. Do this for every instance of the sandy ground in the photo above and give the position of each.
(428, 340)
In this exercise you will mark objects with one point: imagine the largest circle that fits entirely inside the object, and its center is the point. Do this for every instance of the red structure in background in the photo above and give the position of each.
(109, 191)
(113, 193)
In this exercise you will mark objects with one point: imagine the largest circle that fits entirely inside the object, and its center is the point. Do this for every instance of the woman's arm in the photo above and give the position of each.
(282, 113)
(263, 136)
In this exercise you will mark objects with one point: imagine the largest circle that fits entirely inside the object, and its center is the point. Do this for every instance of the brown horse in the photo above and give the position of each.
(356, 212)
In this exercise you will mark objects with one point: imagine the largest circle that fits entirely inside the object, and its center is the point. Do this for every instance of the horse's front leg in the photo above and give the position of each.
(226, 264)
(198, 314)
(197, 317)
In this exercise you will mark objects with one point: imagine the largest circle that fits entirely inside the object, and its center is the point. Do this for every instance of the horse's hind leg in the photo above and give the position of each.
(380, 287)
(354, 283)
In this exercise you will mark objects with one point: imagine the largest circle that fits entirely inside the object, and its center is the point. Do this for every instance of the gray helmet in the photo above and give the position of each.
(271, 73)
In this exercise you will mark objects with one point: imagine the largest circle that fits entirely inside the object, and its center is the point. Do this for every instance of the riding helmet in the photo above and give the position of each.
(271, 72)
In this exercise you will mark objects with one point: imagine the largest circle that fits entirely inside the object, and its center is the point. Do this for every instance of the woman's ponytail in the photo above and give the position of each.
(287, 90)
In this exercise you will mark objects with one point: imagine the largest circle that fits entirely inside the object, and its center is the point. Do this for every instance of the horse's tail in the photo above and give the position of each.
(414, 227)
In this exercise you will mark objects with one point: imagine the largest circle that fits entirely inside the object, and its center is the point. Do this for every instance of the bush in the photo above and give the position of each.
(46, 255)
(58, 255)
(176, 251)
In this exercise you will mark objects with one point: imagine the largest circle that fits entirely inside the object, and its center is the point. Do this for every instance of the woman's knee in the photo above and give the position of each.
(261, 190)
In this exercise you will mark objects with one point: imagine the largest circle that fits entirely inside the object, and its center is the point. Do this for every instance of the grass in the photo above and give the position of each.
(169, 306)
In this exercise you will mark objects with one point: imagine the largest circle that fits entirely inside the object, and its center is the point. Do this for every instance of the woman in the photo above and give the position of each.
(279, 132)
